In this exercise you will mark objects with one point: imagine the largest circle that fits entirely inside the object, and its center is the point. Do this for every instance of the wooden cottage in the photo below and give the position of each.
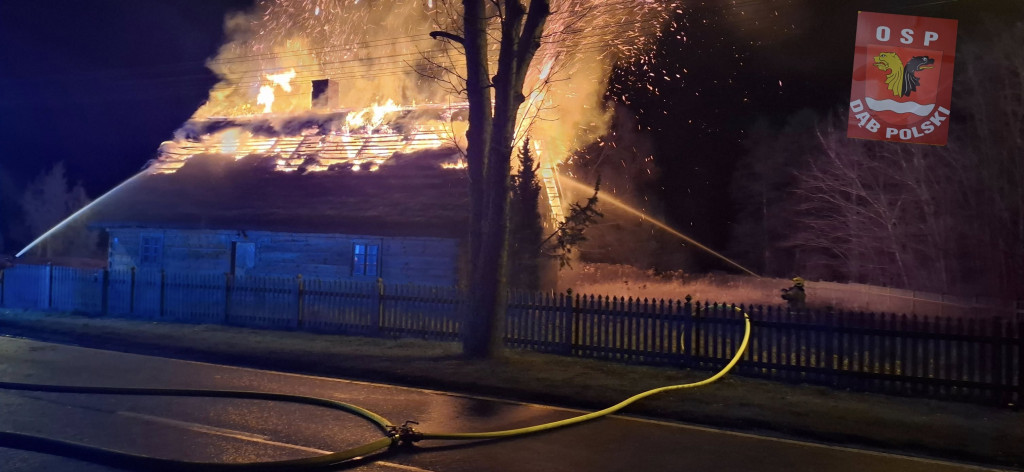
(404, 222)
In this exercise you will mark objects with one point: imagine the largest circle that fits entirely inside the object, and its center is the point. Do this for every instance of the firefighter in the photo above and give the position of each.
(795, 295)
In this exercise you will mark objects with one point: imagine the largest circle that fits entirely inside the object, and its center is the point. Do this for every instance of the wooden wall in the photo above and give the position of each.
(329, 256)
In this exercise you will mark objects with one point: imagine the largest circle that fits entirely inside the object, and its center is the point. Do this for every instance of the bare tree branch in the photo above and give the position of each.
(449, 36)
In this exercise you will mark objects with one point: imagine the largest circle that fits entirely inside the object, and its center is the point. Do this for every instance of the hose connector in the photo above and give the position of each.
(405, 434)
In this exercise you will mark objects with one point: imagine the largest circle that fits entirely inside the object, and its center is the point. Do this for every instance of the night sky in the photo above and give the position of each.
(99, 84)
(758, 59)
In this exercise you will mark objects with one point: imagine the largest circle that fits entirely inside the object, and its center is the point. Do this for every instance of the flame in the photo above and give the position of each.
(374, 50)
(376, 57)
(266, 98)
(229, 140)
(343, 146)
(266, 95)
(459, 164)
(372, 116)
(283, 79)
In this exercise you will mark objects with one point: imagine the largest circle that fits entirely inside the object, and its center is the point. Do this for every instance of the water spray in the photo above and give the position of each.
(604, 197)
(67, 221)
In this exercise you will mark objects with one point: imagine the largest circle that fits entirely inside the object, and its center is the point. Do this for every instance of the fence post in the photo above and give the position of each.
(997, 331)
(1020, 359)
(49, 285)
(571, 308)
(301, 301)
(379, 294)
(835, 353)
(688, 339)
(163, 278)
(131, 294)
(229, 282)
(105, 293)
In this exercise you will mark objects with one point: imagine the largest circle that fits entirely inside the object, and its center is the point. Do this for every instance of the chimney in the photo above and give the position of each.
(323, 98)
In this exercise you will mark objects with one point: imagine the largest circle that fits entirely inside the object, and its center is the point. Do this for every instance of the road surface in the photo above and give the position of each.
(203, 429)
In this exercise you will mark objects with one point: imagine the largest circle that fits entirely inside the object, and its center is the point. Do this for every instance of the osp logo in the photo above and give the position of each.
(902, 78)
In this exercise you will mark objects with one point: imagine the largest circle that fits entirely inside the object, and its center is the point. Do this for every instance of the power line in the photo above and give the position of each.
(594, 39)
(398, 40)
(332, 69)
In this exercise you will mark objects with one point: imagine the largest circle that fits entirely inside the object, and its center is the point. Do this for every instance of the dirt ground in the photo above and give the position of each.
(948, 430)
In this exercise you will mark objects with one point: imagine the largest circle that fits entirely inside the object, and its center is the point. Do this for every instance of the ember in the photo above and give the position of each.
(328, 84)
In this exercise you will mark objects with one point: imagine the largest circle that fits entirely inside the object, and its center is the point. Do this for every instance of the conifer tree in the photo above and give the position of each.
(525, 227)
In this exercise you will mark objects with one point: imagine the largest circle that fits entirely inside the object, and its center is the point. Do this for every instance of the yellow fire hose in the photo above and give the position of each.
(139, 462)
(394, 435)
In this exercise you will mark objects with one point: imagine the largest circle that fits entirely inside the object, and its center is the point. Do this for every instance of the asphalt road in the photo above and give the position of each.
(203, 429)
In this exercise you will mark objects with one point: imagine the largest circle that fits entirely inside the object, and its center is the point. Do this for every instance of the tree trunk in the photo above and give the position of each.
(475, 322)
(489, 153)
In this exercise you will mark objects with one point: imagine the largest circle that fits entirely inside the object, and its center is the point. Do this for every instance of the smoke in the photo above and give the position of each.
(623, 159)
(369, 50)
(584, 40)
(374, 51)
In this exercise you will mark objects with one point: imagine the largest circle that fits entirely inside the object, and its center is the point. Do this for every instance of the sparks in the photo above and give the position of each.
(364, 62)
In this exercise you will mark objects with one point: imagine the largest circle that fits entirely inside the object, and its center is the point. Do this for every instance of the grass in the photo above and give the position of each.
(627, 281)
(942, 429)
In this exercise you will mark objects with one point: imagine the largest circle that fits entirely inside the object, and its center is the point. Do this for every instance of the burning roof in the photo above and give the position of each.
(311, 141)
(385, 170)
(408, 195)
(282, 143)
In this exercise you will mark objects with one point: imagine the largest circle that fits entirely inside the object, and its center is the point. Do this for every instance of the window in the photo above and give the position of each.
(151, 250)
(364, 259)
(320, 88)
(243, 257)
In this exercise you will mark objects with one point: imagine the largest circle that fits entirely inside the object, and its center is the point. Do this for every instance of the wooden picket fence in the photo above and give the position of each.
(975, 359)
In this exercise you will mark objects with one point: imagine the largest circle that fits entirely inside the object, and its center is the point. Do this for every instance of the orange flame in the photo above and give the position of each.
(459, 164)
(266, 95)
(371, 117)
(367, 51)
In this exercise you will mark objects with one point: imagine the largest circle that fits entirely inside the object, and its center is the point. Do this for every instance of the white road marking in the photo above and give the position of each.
(403, 467)
(202, 428)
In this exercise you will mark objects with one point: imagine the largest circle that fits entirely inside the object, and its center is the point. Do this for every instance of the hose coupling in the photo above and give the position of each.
(405, 434)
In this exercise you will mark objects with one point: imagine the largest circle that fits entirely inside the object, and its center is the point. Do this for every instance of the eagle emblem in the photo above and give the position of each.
(901, 79)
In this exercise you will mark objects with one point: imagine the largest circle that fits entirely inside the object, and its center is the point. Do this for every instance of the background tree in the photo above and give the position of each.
(529, 254)
(46, 202)
(569, 234)
(12, 227)
(988, 92)
(8, 202)
(879, 213)
(525, 224)
(763, 189)
(623, 160)
(936, 218)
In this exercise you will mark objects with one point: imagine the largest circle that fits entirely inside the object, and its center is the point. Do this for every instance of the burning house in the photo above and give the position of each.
(331, 145)
(317, 190)
(305, 195)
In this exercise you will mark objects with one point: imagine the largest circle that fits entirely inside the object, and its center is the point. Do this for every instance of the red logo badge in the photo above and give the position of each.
(902, 78)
